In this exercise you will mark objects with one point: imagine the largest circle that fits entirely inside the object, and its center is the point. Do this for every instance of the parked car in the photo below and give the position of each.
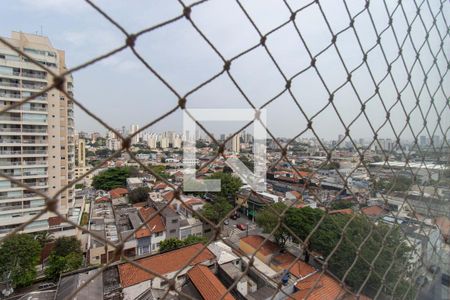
(46, 286)
(226, 222)
(235, 216)
(241, 226)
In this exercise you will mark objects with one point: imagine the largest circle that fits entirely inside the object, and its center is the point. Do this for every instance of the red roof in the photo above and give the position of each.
(194, 201)
(255, 241)
(160, 186)
(102, 199)
(207, 284)
(373, 211)
(162, 264)
(326, 288)
(118, 192)
(155, 224)
(298, 269)
(168, 195)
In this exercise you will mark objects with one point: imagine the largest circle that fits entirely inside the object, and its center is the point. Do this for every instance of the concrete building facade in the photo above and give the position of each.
(37, 137)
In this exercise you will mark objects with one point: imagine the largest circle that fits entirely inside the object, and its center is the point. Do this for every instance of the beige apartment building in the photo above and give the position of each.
(36, 138)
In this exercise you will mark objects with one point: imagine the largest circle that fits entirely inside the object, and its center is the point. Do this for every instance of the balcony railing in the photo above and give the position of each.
(34, 130)
(9, 129)
(4, 118)
(34, 152)
(9, 95)
(34, 75)
(9, 84)
(9, 152)
(9, 163)
(6, 141)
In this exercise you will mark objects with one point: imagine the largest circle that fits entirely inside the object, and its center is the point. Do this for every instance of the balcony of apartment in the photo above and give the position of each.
(8, 118)
(36, 184)
(7, 141)
(34, 74)
(6, 72)
(10, 83)
(10, 152)
(14, 206)
(8, 186)
(33, 85)
(7, 164)
(9, 94)
(34, 130)
(27, 173)
(36, 162)
(34, 152)
(34, 141)
(10, 130)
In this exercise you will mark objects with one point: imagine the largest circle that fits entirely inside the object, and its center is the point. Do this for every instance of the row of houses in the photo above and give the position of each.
(210, 272)
(142, 226)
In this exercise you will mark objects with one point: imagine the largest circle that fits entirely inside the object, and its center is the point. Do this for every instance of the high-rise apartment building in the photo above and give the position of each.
(134, 128)
(37, 137)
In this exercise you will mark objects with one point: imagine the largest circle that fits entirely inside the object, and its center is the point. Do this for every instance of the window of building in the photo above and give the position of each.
(174, 221)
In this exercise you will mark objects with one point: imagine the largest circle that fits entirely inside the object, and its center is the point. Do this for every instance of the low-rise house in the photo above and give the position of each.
(118, 193)
(207, 285)
(374, 212)
(152, 233)
(135, 281)
(103, 224)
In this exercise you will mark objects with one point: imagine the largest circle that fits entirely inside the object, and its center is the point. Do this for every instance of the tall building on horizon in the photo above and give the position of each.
(134, 128)
(36, 138)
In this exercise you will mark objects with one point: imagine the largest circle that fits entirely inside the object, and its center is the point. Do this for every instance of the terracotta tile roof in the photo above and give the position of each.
(373, 211)
(102, 199)
(160, 186)
(163, 263)
(207, 283)
(298, 269)
(267, 248)
(345, 211)
(444, 225)
(56, 220)
(194, 201)
(168, 196)
(118, 192)
(156, 222)
(327, 288)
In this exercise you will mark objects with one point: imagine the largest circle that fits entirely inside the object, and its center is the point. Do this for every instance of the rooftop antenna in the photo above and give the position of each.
(41, 31)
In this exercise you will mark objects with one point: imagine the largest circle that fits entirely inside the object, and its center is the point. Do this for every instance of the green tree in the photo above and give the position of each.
(113, 178)
(159, 170)
(331, 165)
(379, 247)
(56, 265)
(19, 255)
(66, 256)
(174, 243)
(229, 184)
(44, 237)
(192, 239)
(139, 194)
(170, 244)
(217, 210)
(399, 183)
(267, 219)
(341, 204)
(66, 245)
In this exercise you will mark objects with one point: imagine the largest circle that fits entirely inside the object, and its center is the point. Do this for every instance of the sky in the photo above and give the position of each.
(121, 91)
